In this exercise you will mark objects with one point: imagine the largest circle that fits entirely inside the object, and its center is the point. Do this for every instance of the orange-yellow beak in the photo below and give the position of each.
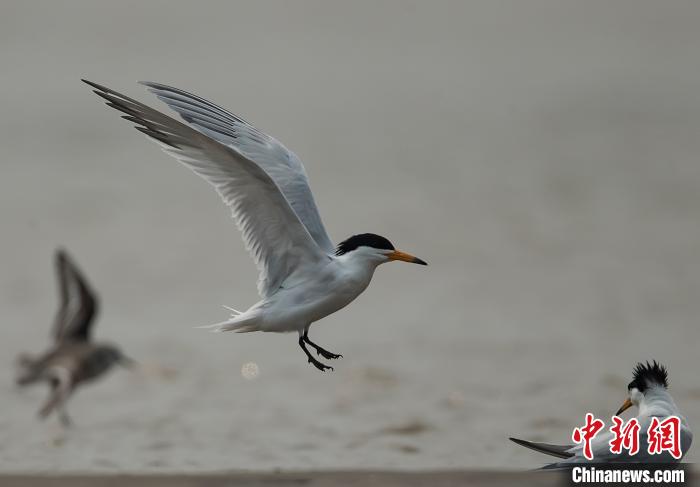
(625, 405)
(403, 256)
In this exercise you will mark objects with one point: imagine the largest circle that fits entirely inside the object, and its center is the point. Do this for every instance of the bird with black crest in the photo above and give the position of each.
(648, 392)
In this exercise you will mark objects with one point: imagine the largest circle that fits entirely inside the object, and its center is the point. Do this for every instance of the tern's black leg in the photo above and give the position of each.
(320, 350)
(320, 366)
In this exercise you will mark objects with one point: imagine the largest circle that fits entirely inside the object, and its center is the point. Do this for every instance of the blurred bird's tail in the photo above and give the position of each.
(239, 322)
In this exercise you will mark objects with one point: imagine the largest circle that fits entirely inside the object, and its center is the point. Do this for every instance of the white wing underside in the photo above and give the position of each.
(272, 232)
(281, 164)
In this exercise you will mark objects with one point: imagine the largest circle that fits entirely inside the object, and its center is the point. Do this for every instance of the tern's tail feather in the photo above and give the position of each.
(242, 323)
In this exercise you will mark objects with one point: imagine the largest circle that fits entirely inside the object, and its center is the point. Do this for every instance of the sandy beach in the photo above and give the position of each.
(335, 479)
(542, 156)
(313, 479)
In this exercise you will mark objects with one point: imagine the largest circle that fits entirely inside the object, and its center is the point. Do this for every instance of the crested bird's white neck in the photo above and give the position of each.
(658, 402)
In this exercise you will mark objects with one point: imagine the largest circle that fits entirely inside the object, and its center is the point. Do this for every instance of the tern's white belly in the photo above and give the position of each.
(331, 288)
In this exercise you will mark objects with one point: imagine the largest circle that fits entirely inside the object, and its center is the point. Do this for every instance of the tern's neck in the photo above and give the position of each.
(359, 263)
(657, 401)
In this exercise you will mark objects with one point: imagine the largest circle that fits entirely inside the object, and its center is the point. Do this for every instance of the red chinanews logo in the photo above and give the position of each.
(587, 433)
(627, 437)
(662, 435)
(665, 436)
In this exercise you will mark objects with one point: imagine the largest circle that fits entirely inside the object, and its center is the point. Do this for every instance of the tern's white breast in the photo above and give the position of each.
(306, 299)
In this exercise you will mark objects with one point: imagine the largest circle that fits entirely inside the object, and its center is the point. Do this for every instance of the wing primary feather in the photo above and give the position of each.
(275, 235)
(185, 103)
(230, 130)
(560, 451)
(159, 136)
(187, 95)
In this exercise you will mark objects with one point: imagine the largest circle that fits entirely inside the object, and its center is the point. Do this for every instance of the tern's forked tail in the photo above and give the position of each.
(239, 322)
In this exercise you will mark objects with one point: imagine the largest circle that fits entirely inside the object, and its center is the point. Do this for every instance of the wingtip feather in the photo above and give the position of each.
(152, 85)
(95, 85)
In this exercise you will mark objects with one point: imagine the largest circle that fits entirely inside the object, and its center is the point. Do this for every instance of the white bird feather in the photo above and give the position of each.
(273, 234)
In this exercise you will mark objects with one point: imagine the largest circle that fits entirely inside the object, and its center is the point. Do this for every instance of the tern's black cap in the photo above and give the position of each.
(364, 240)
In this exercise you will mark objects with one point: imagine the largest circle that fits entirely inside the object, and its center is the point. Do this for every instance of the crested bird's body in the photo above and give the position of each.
(73, 359)
(302, 300)
(302, 276)
(649, 392)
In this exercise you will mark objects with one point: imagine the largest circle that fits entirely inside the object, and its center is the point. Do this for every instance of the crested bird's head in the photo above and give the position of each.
(375, 249)
(646, 377)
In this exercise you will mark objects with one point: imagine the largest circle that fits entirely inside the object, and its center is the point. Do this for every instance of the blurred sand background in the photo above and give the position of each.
(541, 155)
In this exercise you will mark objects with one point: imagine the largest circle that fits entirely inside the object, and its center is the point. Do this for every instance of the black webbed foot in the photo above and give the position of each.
(328, 355)
(320, 350)
(319, 365)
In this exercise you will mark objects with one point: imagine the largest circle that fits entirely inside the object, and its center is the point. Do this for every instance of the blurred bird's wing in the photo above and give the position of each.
(272, 231)
(281, 164)
(78, 303)
(561, 451)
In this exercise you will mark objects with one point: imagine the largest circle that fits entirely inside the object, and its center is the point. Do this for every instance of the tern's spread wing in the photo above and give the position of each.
(281, 164)
(78, 303)
(561, 451)
(272, 231)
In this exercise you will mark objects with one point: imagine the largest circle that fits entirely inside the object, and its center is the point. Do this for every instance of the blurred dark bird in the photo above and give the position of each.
(73, 358)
